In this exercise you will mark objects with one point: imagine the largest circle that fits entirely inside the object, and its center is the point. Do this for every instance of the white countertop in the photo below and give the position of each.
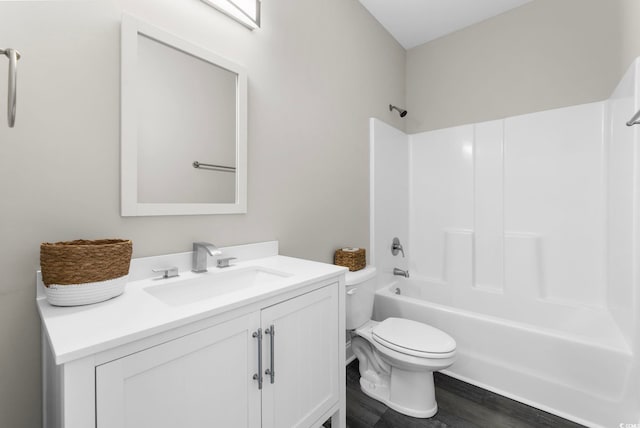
(76, 332)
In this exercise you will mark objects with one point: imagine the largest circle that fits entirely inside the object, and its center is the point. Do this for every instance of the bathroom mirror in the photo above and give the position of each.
(183, 126)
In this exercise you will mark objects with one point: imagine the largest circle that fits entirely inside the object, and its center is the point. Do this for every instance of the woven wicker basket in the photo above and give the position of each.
(83, 261)
(353, 258)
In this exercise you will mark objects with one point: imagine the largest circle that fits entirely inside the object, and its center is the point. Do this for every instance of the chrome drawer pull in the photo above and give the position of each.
(258, 376)
(271, 371)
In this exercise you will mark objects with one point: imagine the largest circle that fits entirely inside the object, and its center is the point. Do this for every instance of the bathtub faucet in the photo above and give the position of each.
(401, 272)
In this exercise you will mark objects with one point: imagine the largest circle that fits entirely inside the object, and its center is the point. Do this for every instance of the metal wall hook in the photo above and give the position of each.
(13, 56)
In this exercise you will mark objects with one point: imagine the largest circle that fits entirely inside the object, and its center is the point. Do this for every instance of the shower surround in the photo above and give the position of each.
(522, 238)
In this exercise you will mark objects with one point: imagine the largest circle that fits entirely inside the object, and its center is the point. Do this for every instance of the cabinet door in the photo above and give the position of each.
(306, 359)
(200, 380)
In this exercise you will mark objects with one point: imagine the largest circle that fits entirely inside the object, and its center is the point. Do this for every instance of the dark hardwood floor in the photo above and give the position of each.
(460, 405)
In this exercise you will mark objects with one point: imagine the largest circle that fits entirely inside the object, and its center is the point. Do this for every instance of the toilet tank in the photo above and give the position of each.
(360, 289)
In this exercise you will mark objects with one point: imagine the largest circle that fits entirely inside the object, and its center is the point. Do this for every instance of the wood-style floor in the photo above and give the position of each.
(460, 405)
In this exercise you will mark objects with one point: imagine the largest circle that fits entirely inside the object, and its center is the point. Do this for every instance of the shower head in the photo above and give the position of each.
(402, 112)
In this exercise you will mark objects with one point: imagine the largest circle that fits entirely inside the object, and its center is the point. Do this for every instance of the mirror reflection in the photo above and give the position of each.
(186, 113)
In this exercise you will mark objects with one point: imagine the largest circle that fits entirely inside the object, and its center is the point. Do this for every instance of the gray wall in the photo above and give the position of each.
(545, 54)
(317, 71)
(629, 16)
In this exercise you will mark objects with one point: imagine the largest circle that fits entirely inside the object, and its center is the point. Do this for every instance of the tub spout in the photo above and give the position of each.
(401, 272)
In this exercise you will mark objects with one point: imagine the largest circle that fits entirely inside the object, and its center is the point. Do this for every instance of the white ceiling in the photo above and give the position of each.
(414, 22)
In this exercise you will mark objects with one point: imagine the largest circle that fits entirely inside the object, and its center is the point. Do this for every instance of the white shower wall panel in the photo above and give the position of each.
(554, 188)
(441, 196)
(508, 218)
(488, 152)
(389, 158)
(620, 157)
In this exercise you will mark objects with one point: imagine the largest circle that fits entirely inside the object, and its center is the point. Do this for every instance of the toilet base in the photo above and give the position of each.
(408, 392)
(402, 381)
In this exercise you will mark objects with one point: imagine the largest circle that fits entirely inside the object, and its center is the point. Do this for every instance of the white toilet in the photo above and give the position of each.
(397, 356)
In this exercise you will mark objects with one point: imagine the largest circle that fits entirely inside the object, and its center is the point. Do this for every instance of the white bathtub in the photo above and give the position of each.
(556, 363)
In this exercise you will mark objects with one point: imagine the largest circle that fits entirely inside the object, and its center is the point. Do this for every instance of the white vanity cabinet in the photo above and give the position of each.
(199, 380)
(209, 378)
(306, 361)
(269, 355)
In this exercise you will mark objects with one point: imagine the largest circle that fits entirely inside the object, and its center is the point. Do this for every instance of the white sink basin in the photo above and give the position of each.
(213, 284)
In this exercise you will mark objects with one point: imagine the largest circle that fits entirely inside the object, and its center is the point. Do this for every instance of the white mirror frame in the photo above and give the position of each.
(131, 28)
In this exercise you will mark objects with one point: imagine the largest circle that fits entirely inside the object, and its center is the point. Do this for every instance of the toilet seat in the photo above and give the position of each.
(413, 338)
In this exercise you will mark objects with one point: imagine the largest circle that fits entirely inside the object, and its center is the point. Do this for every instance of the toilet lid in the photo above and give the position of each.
(413, 336)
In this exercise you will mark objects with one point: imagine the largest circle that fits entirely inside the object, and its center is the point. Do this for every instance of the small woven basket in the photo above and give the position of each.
(84, 261)
(353, 258)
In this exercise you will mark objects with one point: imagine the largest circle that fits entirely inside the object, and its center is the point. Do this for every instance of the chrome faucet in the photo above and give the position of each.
(401, 272)
(200, 250)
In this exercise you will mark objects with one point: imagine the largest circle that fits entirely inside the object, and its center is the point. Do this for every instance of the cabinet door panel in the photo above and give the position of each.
(200, 380)
(306, 359)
